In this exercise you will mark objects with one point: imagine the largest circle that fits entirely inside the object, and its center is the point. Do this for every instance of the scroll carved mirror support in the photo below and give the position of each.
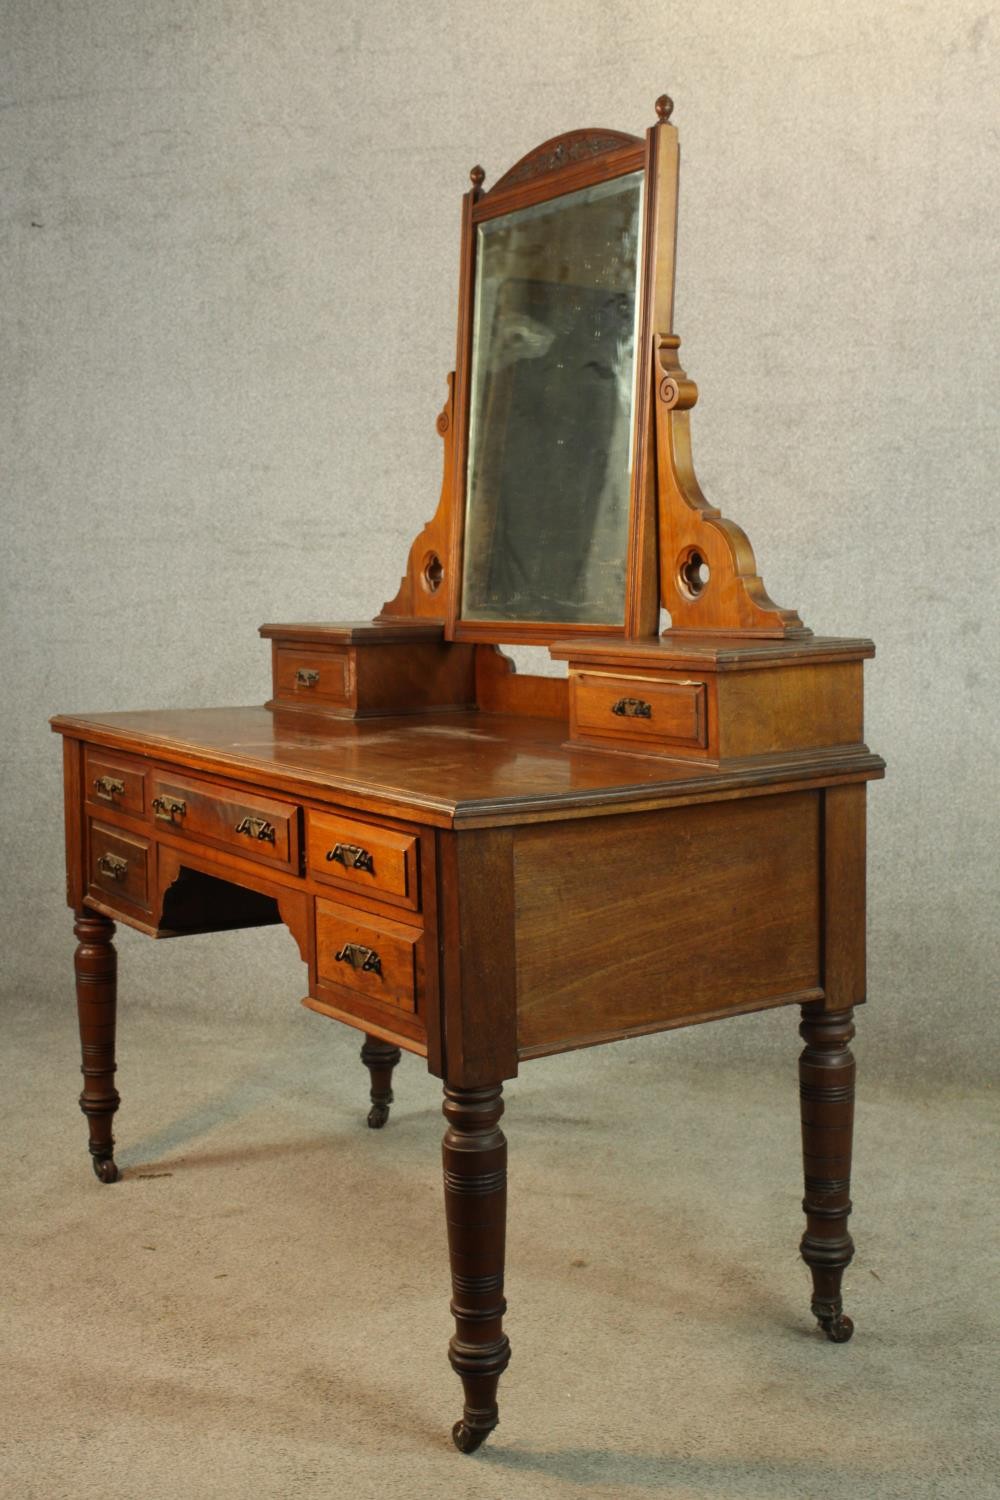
(569, 504)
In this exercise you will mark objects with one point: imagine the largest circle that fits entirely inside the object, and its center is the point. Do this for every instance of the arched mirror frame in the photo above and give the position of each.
(566, 164)
(682, 554)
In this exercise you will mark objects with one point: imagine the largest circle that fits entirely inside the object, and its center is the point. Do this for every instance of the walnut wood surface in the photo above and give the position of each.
(462, 769)
(664, 917)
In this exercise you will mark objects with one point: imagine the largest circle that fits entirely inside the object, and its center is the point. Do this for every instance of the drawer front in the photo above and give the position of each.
(321, 675)
(376, 956)
(363, 857)
(110, 784)
(255, 827)
(119, 865)
(639, 710)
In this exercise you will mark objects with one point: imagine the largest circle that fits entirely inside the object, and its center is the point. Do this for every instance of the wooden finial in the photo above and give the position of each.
(664, 108)
(477, 177)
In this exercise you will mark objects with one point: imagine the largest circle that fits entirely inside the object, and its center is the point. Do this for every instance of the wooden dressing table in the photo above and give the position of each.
(483, 867)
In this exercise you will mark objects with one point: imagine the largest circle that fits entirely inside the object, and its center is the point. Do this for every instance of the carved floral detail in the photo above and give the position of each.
(562, 153)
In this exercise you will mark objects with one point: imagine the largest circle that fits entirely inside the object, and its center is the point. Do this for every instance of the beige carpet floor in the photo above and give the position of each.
(260, 1307)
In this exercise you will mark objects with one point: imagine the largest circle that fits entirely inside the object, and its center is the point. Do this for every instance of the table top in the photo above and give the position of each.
(469, 769)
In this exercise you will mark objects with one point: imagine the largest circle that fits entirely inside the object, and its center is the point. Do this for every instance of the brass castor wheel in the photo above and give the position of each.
(468, 1439)
(377, 1116)
(104, 1168)
(838, 1328)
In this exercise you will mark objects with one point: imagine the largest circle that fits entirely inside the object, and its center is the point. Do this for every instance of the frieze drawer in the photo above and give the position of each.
(637, 711)
(376, 956)
(110, 782)
(356, 856)
(256, 827)
(119, 866)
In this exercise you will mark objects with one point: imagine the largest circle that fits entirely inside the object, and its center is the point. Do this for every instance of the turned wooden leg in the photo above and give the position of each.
(379, 1058)
(96, 997)
(475, 1194)
(826, 1088)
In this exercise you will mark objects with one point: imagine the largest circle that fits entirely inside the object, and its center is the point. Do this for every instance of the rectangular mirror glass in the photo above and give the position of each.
(551, 401)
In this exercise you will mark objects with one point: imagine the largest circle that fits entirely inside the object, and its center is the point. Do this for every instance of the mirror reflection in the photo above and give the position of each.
(550, 436)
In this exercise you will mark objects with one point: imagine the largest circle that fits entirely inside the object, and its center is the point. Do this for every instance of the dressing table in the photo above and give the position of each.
(481, 866)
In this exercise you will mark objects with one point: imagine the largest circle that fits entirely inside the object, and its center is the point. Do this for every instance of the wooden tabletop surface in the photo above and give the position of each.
(472, 769)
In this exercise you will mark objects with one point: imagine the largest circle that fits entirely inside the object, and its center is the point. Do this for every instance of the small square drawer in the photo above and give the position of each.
(119, 865)
(638, 711)
(376, 956)
(111, 783)
(301, 675)
(255, 827)
(364, 857)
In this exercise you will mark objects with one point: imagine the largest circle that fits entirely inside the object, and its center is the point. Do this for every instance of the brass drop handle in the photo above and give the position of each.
(632, 708)
(359, 957)
(113, 865)
(306, 677)
(352, 857)
(167, 808)
(256, 828)
(109, 787)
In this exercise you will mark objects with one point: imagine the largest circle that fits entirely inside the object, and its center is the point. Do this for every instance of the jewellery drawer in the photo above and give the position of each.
(376, 956)
(110, 783)
(637, 710)
(119, 864)
(255, 827)
(301, 675)
(363, 857)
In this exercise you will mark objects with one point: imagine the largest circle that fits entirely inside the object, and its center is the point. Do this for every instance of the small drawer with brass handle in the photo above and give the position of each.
(375, 956)
(364, 857)
(256, 827)
(640, 712)
(109, 782)
(119, 865)
(323, 675)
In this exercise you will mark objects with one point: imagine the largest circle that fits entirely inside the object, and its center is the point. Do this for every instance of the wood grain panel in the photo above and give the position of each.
(844, 896)
(629, 922)
(790, 708)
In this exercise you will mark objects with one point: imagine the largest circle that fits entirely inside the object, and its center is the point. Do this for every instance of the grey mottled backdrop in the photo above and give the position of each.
(230, 246)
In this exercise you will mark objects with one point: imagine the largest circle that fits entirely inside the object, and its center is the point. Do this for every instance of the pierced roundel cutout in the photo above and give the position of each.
(432, 573)
(693, 574)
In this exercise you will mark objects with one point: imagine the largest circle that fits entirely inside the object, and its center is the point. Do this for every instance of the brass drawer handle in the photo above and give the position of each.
(113, 865)
(352, 857)
(365, 959)
(633, 708)
(167, 808)
(109, 787)
(256, 828)
(306, 677)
